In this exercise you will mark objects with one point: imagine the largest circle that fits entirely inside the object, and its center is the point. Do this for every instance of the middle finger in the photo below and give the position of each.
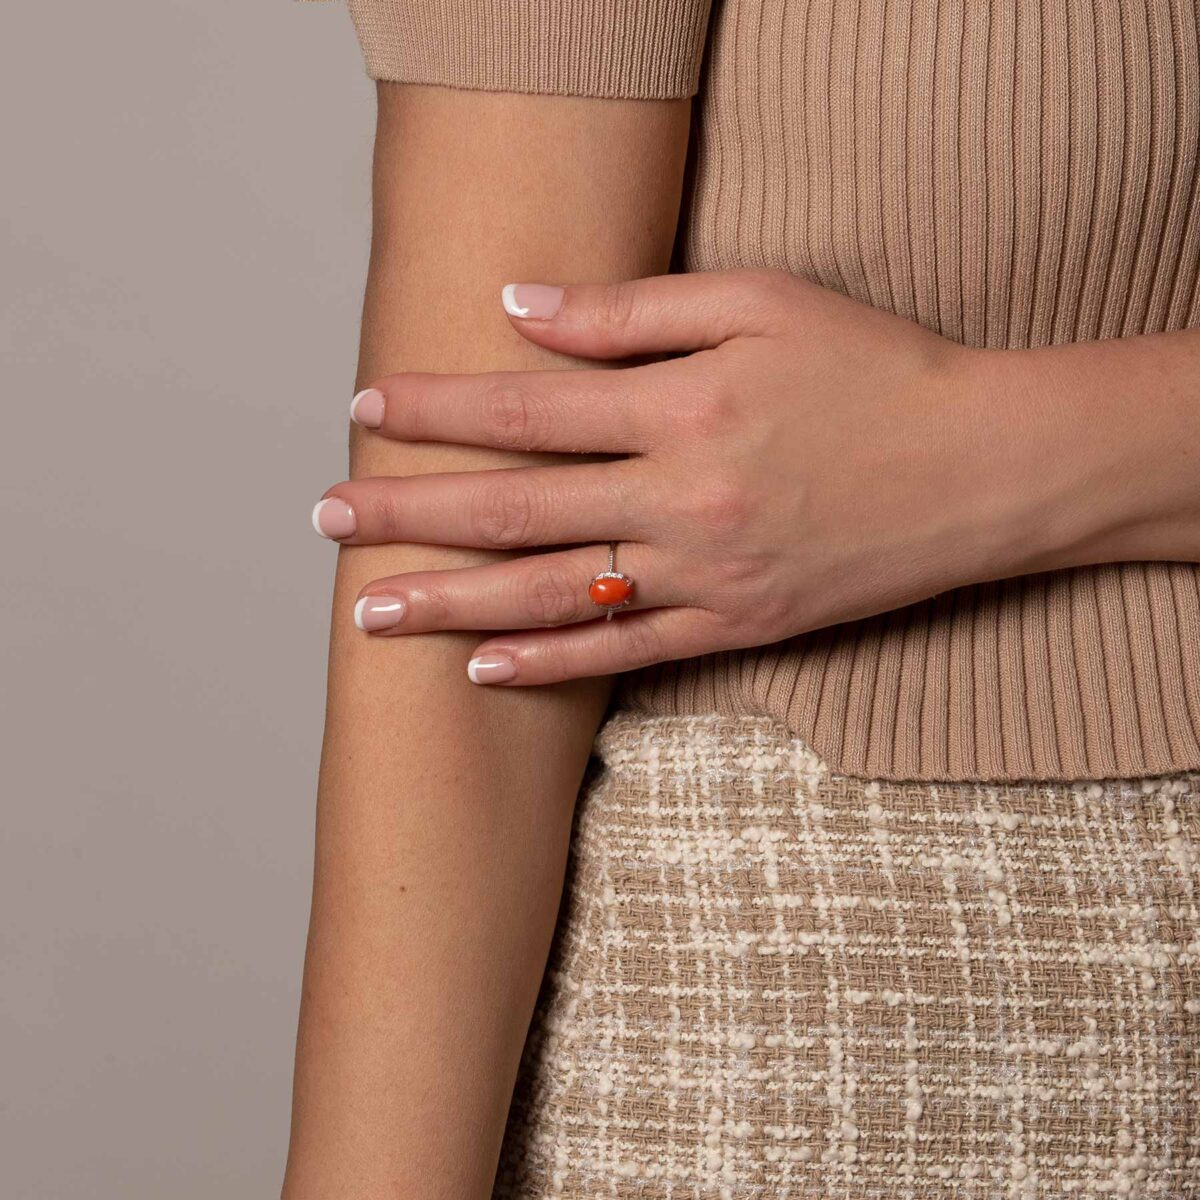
(500, 509)
(575, 411)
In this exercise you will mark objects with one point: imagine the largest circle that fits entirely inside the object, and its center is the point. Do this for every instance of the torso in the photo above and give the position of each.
(1009, 174)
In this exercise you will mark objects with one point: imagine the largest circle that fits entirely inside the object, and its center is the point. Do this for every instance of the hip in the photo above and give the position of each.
(770, 976)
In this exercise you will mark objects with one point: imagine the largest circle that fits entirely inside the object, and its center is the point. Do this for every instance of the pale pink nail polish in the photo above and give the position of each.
(366, 409)
(334, 518)
(491, 668)
(373, 613)
(537, 300)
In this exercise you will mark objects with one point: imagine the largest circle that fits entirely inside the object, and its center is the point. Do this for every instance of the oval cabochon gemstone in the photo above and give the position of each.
(608, 592)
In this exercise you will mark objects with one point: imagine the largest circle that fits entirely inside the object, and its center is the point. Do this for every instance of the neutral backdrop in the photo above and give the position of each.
(183, 238)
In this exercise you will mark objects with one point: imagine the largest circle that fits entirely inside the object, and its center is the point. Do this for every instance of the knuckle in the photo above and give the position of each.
(723, 629)
(642, 643)
(709, 412)
(390, 507)
(548, 596)
(620, 305)
(513, 418)
(770, 613)
(771, 281)
(720, 506)
(410, 417)
(502, 515)
(768, 290)
(434, 604)
(749, 615)
(743, 571)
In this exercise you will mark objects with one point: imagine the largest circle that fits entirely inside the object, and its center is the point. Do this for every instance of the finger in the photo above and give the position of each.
(575, 412)
(499, 509)
(629, 641)
(524, 593)
(694, 311)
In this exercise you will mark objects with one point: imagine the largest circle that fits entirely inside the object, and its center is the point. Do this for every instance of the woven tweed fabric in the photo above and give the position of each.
(771, 981)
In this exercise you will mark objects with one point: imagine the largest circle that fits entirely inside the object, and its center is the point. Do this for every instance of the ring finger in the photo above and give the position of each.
(523, 593)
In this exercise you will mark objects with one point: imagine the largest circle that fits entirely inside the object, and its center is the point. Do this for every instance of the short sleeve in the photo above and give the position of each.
(647, 49)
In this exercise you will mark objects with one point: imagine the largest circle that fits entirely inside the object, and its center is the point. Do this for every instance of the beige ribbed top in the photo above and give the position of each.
(1010, 173)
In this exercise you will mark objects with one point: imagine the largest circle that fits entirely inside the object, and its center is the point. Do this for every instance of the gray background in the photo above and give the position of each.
(183, 238)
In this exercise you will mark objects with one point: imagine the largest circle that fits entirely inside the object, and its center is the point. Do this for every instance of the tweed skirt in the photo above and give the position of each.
(771, 981)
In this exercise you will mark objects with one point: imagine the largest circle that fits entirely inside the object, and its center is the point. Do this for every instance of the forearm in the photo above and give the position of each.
(442, 832)
(1098, 447)
(444, 808)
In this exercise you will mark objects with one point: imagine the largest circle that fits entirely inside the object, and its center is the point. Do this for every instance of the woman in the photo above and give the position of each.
(884, 881)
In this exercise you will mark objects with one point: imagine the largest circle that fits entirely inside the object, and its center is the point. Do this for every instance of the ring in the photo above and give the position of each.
(611, 589)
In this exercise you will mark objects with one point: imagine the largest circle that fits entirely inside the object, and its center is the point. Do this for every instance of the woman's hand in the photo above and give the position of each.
(808, 460)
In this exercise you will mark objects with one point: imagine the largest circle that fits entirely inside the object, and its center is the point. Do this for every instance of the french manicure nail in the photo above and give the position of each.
(334, 518)
(373, 613)
(537, 300)
(491, 668)
(366, 409)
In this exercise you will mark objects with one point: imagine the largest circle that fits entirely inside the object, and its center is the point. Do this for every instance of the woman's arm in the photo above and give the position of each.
(444, 809)
(1104, 438)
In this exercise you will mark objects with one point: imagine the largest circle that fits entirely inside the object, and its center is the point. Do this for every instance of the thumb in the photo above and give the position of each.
(663, 313)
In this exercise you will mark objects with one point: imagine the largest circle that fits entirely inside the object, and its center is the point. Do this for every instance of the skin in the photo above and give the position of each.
(804, 460)
(441, 839)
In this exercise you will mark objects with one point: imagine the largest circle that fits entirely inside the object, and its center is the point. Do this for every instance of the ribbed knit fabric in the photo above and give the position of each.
(1012, 173)
(618, 48)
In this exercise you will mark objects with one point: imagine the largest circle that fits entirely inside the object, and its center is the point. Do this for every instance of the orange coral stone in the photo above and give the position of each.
(609, 592)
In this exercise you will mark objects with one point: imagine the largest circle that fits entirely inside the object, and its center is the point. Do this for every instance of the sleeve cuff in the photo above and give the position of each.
(643, 49)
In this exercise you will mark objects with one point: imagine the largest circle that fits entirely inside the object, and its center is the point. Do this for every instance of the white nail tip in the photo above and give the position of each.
(316, 517)
(508, 297)
(354, 404)
(358, 611)
(478, 670)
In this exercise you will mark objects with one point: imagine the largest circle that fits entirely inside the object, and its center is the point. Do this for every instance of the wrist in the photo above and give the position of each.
(1077, 470)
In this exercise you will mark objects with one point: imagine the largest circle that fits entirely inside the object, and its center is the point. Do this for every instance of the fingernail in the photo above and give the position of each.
(334, 518)
(366, 409)
(491, 668)
(373, 613)
(537, 300)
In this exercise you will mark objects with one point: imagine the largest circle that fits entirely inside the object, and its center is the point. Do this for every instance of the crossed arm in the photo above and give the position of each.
(807, 460)
(443, 808)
